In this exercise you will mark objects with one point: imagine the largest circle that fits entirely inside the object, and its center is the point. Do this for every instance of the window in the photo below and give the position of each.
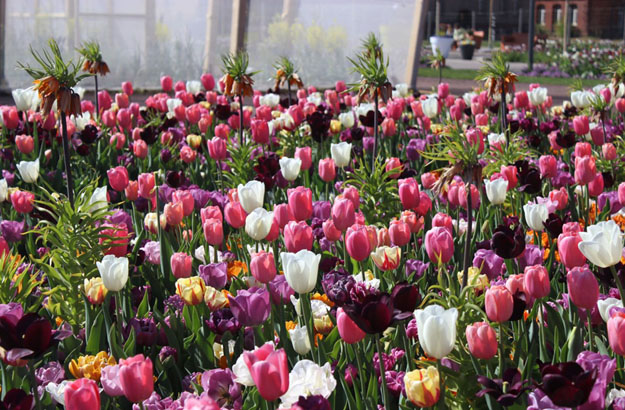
(574, 16)
(541, 15)
(557, 14)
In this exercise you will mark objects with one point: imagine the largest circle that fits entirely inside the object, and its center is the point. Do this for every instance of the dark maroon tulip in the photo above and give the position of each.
(508, 243)
(319, 122)
(23, 336)
(17, 399)
(222, 321)
(505, 390)
(405, 297)
(567, 384)
(374, 313)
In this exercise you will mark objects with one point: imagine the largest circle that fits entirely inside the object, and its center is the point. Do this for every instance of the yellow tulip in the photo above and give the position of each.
(191, 289)
(423, 386)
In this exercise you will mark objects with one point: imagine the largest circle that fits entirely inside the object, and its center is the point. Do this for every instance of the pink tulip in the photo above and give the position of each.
(583, 149)
(260, 131)
(213, 231)
(217, 148)
(330, 231)
(146, 185)
(620, 105)
(25, 143)
(166, 83)
(609, 151)
(122, 101)
(263, 267)
(548, 166)
(521, 100)
(443, 90)
(439, 245)
(181, 265)
(357, 242)
(399, 231)
(475, 137)
(300, 203)
(597, 136)
(269, 371)
(304, 154)
(394, 164)
(481, 340)
(298, 236)
(583, 287)
(428, 179)
(208, 81)
(118, 178)
(222, 131)
(388, 127)
(568, 241)
(595, 187)
(498, 303)
(211, 212)
(510, 174)
(585, 170)
(82, 394)
(174, 212)
(136, 377)
(327, 169)
(581, 125)
(343, 213)
(140, 149)
(536, 281)
(616, 331)
(463, 197)
(127, 88)
(235, 214)
(184, 196)
(409, 193)
(348, 329)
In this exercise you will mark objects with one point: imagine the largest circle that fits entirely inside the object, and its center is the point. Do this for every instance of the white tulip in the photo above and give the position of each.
(402, 90)
(602, 244)
(537, 96)
(613, 395)
(57, 391)
(496, 139)
(308, 379)
(430, 107)
(290, 168)
(496, 190)
(258, 223)
(535, 216)
(315, 98)
(82, 120)
(581, 99)
(300, 340)
(80, 91)
(347, 119)
(26, 99)
(4, 190)
(436, 328)
(270, 100)
(364, 108)
(242, 373)
(341, 153)
(172, 103)
(114, 272)
(301, 269)
(617, 92)
(98, 199)
(468, 98)
(605, 305)
(29, 170)
(194, 87)
(251, 195)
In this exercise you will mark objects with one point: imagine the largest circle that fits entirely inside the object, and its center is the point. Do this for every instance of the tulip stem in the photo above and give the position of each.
(361, 374)
(619, 285)
(97, 105)
(240, 119)
(541, 333)
(385, 396)
(33, 381)
(66, 159)
(590, 336)
(375, 127)
(500, 350)
(467, 239)
(306, 309)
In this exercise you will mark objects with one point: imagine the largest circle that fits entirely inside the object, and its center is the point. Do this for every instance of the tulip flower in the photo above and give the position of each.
(343, 213)
(405, 297)
(409, 193)
(298, 236)
(506, 390)
(430, 107)
(423, 386)
(357, 242)
(341, 154)
(583, 287)
(536, 281)
(535, 216)
(300, 204)
(481, 340)
(263, 267)
(498, 303)
(181, 265)
(439, 245)
(327, 170)
(4, 190)
(25, 144)
(301, 269)
(114, 272)
(616, 331)
(174, 212)
(496, 190)
(436, 328)
(250, 307)
(348, 329)
(251, 195)
(136, 378)
(375, 313)
(235, 214)
(269, 371)
(300, 340)
(29, 170)
(290, 168)
(304, 154)
(23, 201)
(258, 223)
(82, 394)
(191, 289)
(213, 231)
(118, 178)
(386, 258)
(602, 244)
(567, 384)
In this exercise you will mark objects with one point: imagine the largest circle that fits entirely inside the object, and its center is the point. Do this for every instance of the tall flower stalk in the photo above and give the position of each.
(498, 79)
(94, 65)
(238, 81)
(286, 73)
(374, 83)
(54, 79)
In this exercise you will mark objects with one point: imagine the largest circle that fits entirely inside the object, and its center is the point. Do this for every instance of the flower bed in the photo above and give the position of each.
(354, 249)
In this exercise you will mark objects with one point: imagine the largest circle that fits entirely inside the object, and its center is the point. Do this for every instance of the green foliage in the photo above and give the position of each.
(378, 191)
(514, 150)
(16, 287)
(498, 67)
(73, 238)
(90, 50)
(241, 167)
(51, 64)
(236, 65)
(373, 70)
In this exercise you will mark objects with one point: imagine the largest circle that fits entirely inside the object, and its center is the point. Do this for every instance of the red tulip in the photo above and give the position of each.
(25, 144)
(357, 242)
(23, 201)
(409, 193)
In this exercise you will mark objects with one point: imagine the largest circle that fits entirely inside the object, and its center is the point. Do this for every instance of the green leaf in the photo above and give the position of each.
(95, 335)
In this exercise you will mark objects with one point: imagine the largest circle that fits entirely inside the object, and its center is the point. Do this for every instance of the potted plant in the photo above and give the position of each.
(467, 47)
(442, 45)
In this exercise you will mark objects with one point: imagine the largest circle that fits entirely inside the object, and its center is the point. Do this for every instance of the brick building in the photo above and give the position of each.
(597, 18)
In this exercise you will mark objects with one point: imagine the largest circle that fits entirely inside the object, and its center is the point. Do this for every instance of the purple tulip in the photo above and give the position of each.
(220, 386)
(322, 210)
(214, 274)
(417, 267)
(605, 371)
(489, 262)
(12, 230)
(250, 307)
(222, 321)
(280, 290)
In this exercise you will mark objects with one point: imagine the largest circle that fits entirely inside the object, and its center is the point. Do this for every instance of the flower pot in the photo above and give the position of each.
(466, 50)
(442, 44)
